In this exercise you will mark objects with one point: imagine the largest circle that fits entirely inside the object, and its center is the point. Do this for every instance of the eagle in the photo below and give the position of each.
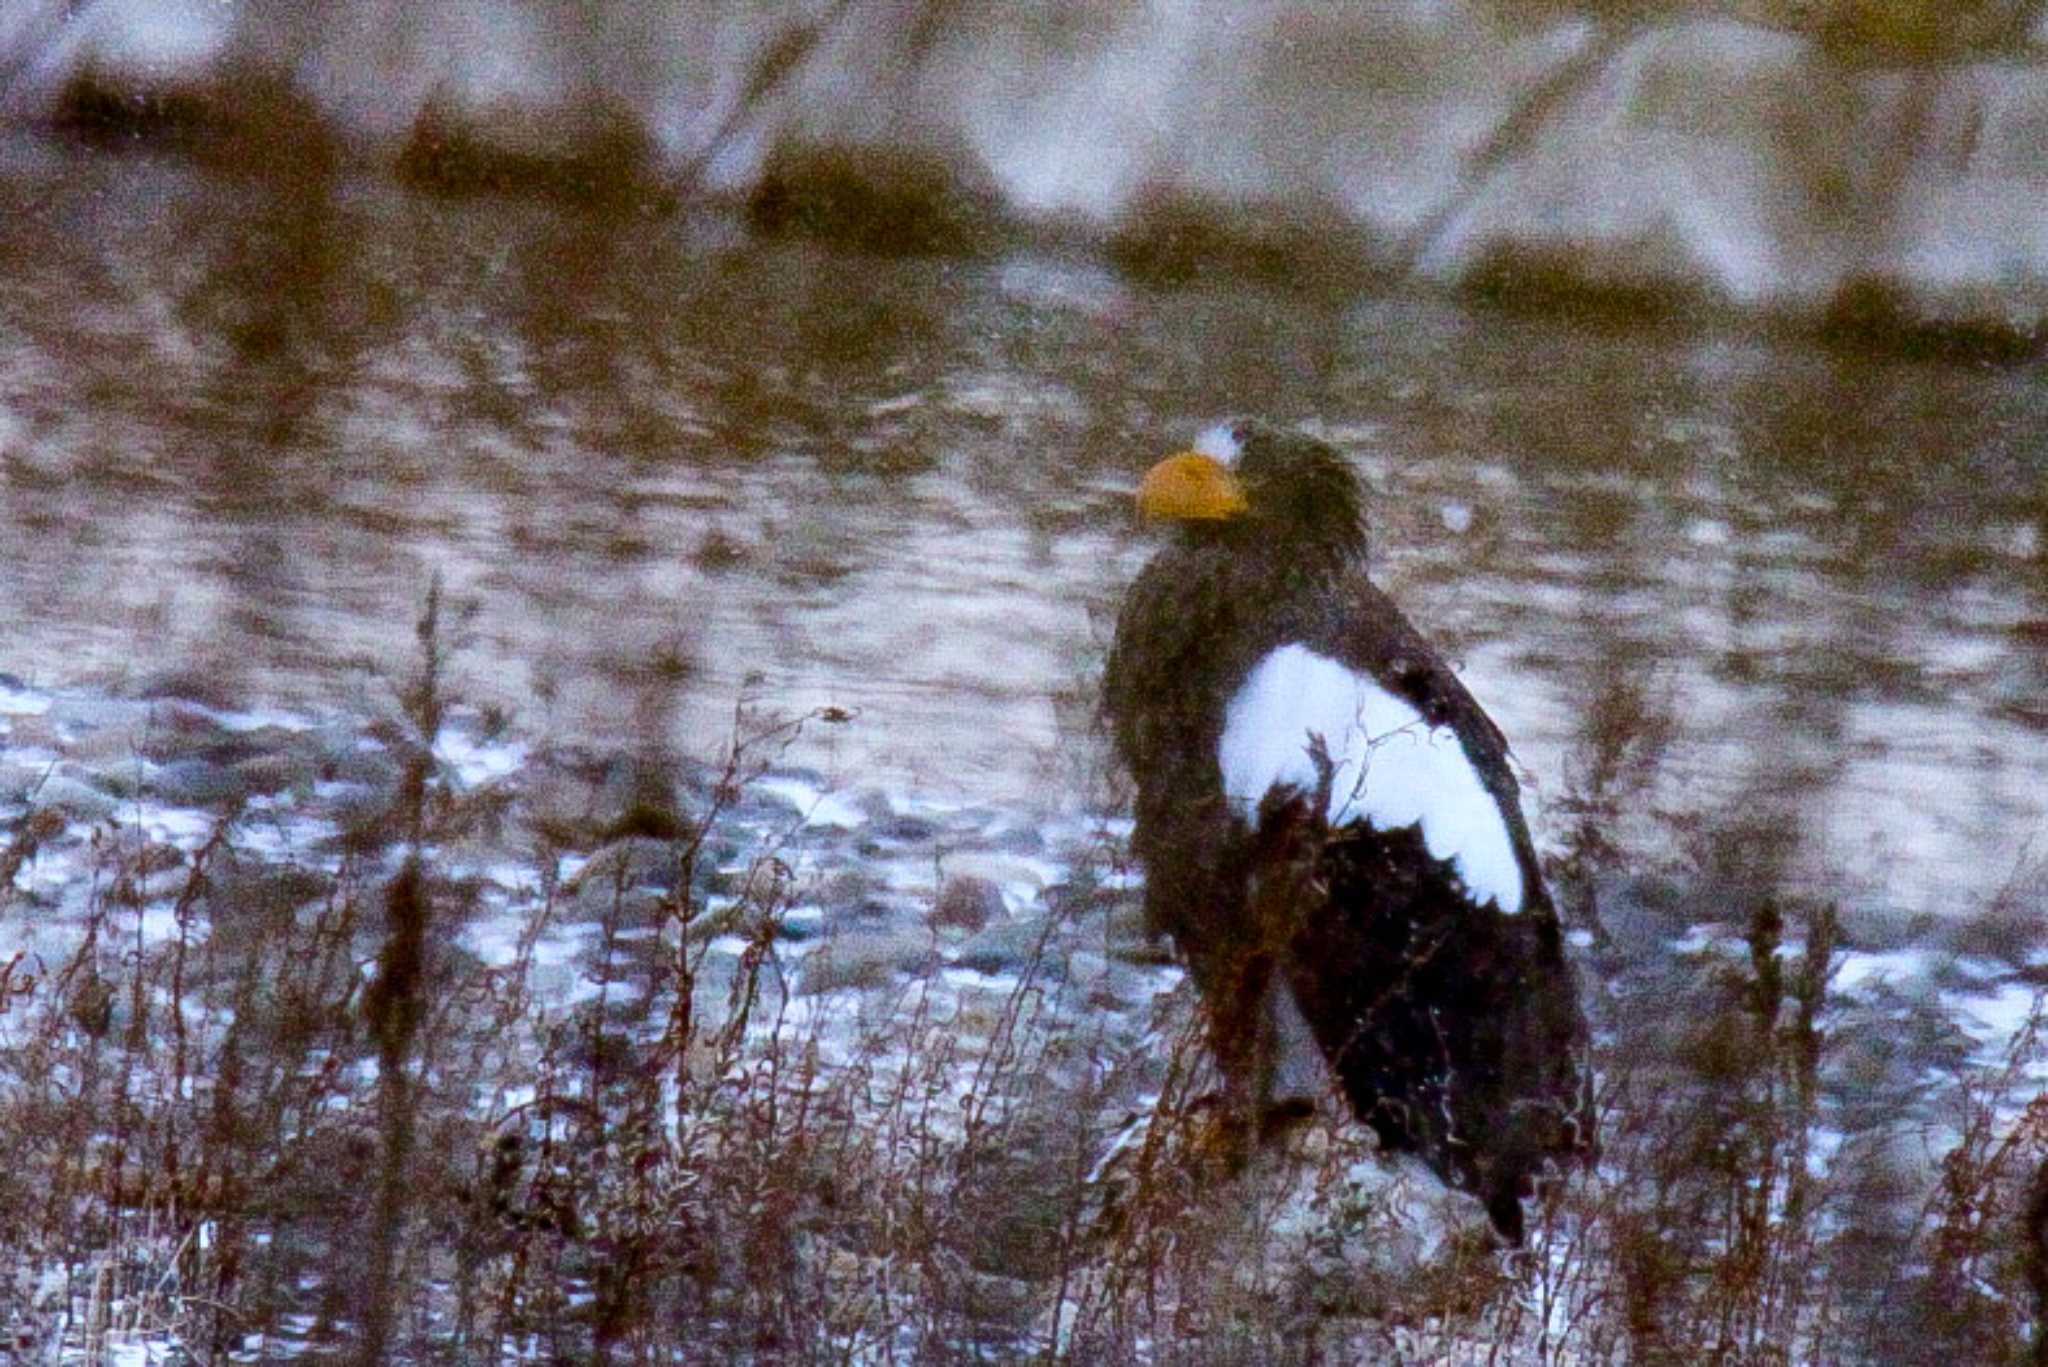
(1331, 833)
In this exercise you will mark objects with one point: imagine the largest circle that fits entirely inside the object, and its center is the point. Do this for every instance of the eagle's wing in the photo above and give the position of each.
(1374, 637)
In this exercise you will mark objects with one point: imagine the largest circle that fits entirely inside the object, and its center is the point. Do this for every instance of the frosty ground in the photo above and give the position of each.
(713, 1057)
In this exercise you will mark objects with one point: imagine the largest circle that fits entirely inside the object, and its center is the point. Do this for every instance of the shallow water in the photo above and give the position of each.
(665, 464)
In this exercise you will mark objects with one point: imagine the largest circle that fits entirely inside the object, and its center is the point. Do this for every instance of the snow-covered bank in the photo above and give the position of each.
(698, 1028)
(877, 882)
(1875, 168)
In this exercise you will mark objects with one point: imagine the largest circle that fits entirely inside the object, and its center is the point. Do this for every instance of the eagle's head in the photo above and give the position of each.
(1264, 488)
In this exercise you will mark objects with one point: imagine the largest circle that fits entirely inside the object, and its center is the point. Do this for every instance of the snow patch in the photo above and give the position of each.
(1994, 1019)
(19, 700)
(816, 806)
(143, 1352)
(187, 830)
(1857, 971)
(476, 761)
(259, 719)
(974, 980)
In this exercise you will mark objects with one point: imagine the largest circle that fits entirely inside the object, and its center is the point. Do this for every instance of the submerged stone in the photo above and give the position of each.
(197, 783)
(76, 800)
(1015, 946)
(967, 902)
(855, 958)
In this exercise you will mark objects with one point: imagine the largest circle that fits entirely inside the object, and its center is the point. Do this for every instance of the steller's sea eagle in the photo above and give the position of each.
(1331, 832)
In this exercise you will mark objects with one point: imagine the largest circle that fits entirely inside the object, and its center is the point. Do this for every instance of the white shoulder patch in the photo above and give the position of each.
(1391, 768)
(1220, 443)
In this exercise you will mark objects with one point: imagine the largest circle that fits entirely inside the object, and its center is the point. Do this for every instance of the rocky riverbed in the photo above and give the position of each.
(893, 935)
(877, 886)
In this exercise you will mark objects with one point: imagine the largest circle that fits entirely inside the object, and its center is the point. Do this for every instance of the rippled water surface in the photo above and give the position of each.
(665, 463)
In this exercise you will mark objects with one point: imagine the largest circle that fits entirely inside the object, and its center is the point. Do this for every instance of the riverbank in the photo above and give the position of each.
(1869, 170)
(717, 1057)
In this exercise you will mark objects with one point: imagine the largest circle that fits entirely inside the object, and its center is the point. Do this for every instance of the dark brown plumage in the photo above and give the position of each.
(1450, 1018)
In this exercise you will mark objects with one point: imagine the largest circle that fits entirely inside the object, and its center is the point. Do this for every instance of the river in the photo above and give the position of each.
(665, 462)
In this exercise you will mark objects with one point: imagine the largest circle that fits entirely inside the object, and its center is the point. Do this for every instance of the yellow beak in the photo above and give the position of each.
(1190, 487)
